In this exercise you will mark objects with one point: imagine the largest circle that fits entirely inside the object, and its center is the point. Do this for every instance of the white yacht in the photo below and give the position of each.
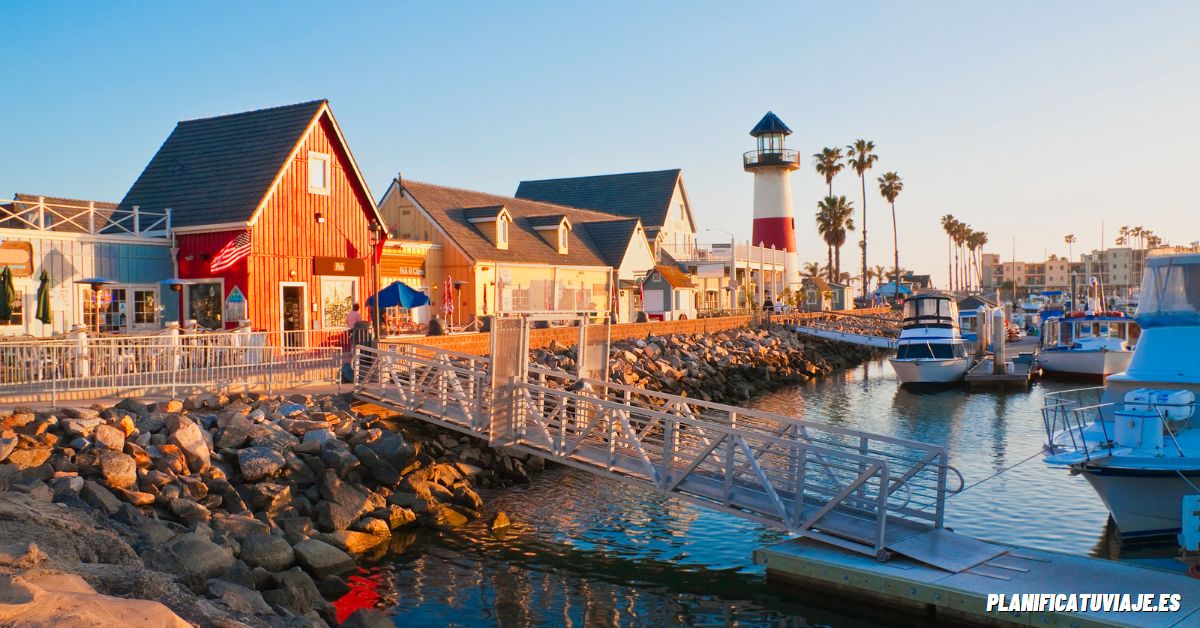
(931, 349)
(1087, 344)
(1137, 439)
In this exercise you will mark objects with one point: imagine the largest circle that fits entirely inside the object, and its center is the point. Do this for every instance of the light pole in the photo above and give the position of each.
(377, 236)
(732, 264)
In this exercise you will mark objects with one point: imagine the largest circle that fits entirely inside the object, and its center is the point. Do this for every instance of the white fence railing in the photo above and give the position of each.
(743, 254)
(36, 213)
(169, 361)
(843, 486)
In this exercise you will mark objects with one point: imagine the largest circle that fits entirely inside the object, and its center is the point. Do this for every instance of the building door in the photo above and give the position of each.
(292, 297)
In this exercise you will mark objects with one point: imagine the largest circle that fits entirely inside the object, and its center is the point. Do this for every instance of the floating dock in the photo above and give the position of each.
(982, 376)
(960, 594)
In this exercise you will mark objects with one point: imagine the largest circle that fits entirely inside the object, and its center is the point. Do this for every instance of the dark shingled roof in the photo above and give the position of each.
(770, 123)
(217, 170)
(450, 207)
(645, 195)
(612, 237)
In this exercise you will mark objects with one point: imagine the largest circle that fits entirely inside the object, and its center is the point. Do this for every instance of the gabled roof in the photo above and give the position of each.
(644, 195)
(549, 221)
(612, 237)
(220, 170)
(677, 278)
(770, 123)
(449, 207)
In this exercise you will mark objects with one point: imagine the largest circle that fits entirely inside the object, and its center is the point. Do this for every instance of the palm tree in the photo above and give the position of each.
(1070, 239)
(812, 270)
(880, 274)
(834, 219)
(862, 157)
(1122, 236)
(890, 186)
(948, 223)
(828, 163)
(976, 241)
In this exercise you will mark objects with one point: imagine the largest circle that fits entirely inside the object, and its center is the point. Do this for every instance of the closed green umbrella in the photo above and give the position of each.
(43, 299)
(8, 293)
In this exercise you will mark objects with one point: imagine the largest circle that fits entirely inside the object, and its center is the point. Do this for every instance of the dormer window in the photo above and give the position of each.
(563, 239)
(318, 173)
(502, 232)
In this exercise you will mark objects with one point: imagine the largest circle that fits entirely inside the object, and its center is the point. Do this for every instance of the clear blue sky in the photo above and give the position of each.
(1025, 119)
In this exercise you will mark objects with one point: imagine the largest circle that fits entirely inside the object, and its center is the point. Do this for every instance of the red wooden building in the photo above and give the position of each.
(276, 190)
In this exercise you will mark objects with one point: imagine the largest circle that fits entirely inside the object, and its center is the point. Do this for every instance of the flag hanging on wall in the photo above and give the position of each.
(448, 297)
(233, 251)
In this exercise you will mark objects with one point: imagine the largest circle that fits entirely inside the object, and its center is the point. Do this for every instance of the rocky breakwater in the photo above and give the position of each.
(243, 509)
(726, 367)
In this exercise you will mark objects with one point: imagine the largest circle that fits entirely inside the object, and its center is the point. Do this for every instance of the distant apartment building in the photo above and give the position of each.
(1118, 269)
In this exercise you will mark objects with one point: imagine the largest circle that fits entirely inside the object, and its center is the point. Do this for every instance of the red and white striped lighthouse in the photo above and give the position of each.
(772, 165)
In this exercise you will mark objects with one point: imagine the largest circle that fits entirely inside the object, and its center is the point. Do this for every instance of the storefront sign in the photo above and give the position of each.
(18, 257)
(400, 265)
(235, 305)
(339, 266)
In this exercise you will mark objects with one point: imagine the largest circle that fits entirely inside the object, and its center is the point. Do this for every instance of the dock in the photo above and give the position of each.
(960, 594)
(982, 376)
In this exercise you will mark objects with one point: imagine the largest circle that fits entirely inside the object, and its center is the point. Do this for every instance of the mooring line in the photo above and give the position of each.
(1006, 469)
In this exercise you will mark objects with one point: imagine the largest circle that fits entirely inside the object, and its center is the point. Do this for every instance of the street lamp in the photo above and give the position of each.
(377, 235)
(458, 286)
(732, 263)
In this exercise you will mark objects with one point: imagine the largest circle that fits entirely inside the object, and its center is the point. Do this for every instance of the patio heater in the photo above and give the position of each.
(377, 235)
(176, 285)
(96, 284)
(458, 286)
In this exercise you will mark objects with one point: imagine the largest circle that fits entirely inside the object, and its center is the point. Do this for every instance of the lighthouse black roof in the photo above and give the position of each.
(770, 123)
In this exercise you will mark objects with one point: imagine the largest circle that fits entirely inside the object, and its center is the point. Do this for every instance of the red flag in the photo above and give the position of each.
(448, 297)
(383, 238)
(234, 250)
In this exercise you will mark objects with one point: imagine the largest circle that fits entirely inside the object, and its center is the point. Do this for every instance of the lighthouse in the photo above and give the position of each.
(772, 165)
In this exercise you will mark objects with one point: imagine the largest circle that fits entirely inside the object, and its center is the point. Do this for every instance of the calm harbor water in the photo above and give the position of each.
(588, 551)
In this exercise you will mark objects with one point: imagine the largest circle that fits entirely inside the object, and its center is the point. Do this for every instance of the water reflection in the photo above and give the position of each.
(588, 551)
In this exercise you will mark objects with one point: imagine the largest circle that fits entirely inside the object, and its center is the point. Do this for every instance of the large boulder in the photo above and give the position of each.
(322, 559)
(295, 591)
(267, 551)
(119, 470)
(380, 469)
(257, 463)
(189, 438)
(109, 437)
(237, 598)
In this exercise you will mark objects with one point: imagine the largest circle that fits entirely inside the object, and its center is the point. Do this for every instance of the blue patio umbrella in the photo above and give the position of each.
(400, 294)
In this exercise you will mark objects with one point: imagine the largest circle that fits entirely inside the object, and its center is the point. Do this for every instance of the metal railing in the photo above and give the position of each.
(843, 486)
(743, 254)
(771, 156)
(1066, 416)
(93, 218)
(169, 361)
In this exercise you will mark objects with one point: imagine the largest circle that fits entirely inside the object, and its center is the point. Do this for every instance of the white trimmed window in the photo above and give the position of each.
(318, 173)
(563, 239)
(502, 232)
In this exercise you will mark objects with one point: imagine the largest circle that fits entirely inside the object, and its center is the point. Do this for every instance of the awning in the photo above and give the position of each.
(399, 294)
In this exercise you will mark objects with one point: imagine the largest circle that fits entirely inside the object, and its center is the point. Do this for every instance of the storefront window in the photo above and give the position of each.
(145, 307)
(204, 302)
(113, 309)
(337, 298)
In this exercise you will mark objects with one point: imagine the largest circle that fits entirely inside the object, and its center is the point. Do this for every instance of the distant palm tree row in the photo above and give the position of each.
(964, 247)
(835, 213)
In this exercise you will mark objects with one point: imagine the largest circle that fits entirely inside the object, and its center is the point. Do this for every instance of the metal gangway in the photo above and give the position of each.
(866, 492)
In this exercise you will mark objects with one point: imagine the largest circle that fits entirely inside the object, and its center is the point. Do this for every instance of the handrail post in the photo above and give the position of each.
(137, 221)
(42, 213)
(92, 217)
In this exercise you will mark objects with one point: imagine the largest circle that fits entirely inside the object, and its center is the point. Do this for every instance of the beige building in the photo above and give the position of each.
(1117, 268)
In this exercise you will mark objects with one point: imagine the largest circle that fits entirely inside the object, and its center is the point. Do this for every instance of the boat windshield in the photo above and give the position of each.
(941, 351)
(930, 310)
(1170, 292)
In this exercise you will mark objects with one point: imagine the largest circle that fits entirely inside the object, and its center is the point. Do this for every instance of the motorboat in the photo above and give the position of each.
(1087, 344)
(1136, 440)
(931, 349)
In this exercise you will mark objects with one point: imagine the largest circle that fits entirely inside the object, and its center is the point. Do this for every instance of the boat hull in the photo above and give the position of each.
(1089, 363)
(1143, 504)
(925, 371)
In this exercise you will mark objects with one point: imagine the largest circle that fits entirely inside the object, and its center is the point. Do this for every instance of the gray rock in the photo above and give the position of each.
(295, 591)
(367, 618)
(240, 527)
(257, 463)
(133, 405)
(99, 497)
(192, 557)
(295, 529)
(190, 439)
(109, 437)
(119, 470)
(237, 598)
(273, 436)
(290, 409)
(266, 497)
(267, 551)
(236, 432)
(189, 511)
(336, 455)
(380, 469)
(322, 559)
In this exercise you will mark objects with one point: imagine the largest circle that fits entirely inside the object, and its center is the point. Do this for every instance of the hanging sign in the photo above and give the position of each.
(339, 266)
(18, 257)
(235, 305)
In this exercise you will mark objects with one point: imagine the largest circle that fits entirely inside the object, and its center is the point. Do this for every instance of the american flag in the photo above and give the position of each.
(229, 254)
(448, 297)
